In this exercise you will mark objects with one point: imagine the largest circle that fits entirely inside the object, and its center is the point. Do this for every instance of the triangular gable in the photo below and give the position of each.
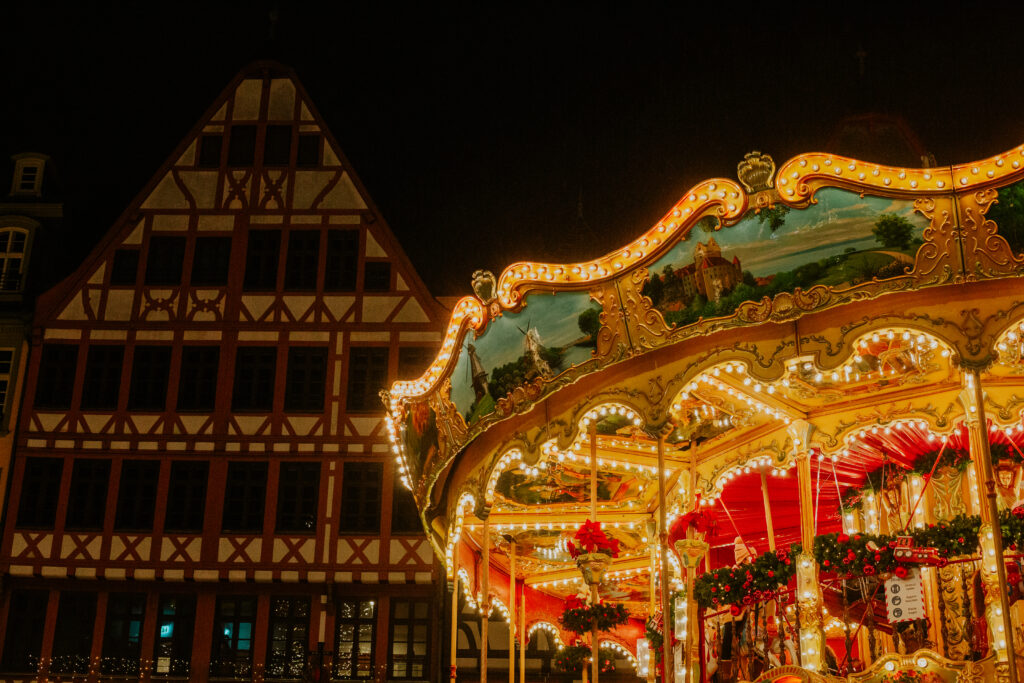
(190, 192)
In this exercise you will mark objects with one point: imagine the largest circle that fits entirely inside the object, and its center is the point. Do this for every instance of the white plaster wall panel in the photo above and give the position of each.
(166, 195)
(247, 100)
(373, 248)
(376, 309)
(135, 237)
(282, 99)
(411, 312)
(298, 306)
(256, 306)
(169, 221)
(364, 426)
(220, 222)
(97, 276)
(202, 185)
(343, 195)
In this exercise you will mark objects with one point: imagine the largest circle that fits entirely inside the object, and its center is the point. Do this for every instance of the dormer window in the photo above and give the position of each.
(28, 174)
(12, 254)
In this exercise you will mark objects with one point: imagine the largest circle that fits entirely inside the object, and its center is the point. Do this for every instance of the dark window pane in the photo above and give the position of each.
(102, 377)
(342, 260)
(176, 619)
(244, 497)
(23, 642)
(150, 368)
(209, 151)
(298, 497)
(136, 495)
(288, 638)
(354, 643)
(414, 360)
(233, 630)
(186, 496)
(304, 386)
(72, 637)
(122, 634)
(410, 644)
(303, 259)
(87, 499)
(277, 147)
(40, 490)
(242, 145)
(308, 153)
(405, 519)
(254, 378)
(360, 498)
(377, 276)
(56, 376)
(164, 260)
(197, 386)
(262, 255)
(211, 261)
(125, 267)
(367, 375)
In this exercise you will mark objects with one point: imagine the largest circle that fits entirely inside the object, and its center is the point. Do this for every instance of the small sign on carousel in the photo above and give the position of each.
(904, 597)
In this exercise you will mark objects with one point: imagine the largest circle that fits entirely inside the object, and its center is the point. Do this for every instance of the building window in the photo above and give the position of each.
(342, 260)
(244, 497)
(209, 151)
(211, 262)
(136, 495)
(414, 360)
(6, 363)
(255, 367)
(122, 635)
(410, 624)
(308, 153)
(306, 378)
(405, 518)
(72, 636)
(356, 623)
(56, 380)
(262, 253)
(150, 368)
(186, 496)
(360, 498)
(197, 384)
(164, 260)
(175, 623)
(233, 628)
(277, 146)
(40, 489)
(289, 637)
(87, 499)
(303, 260)
(124, 268)
(12, 254)
(26, 620)
(367, 375)
(298, 497)
(28, 175)
(377, 276)
(102, 377)
(242, 145)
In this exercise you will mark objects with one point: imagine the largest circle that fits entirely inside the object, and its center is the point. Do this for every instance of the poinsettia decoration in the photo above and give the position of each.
(591, 539)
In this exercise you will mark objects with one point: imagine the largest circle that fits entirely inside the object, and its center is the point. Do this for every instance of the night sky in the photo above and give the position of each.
(477, 130)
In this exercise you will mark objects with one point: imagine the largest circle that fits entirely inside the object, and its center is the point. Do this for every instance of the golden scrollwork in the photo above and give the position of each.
(938, 259)
(946, 493)
(612, 338)
(986, 254)
(951, 593)
(646, 327)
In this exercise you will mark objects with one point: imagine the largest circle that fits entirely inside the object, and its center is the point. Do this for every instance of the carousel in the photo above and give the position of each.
(777, 437)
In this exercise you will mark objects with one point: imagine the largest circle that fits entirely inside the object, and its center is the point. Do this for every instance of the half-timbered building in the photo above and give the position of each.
(202, 485)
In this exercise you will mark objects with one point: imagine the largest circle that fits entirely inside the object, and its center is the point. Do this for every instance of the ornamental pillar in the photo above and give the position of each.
(808, 590)
(485, 598)
(993, 567)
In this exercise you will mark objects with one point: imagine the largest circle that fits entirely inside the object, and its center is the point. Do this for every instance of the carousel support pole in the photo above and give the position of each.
(452, 665)
(523, 635)
(511, 610)
(667, 661)
(808, 590)
(485, 599)
(652, 608)
(993, 566)
(767, 511)
(595, 657)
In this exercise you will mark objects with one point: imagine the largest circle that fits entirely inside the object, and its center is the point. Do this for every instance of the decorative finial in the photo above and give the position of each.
(756, 171)
(484, 286)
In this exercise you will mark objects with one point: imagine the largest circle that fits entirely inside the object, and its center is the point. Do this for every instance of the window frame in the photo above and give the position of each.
(41, 491)
(246, 485)
(411, 622)
(101, 390)
(76, 619)
(241, 666)
(211, 261)
(165, 261)
(136, 495)
(87, 494)
(305, 386)
(298, 497)
(182, 631)
(262, 260)
(195, 383)
(355, 493)
(122, 633)
(151, 372)
(55, 381)
(294, 643)
(357, 621)
(191, 498)
(255, 379)
(363, 363)
(302, 262)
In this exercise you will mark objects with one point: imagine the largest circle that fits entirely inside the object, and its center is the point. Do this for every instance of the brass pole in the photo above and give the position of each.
(485, 599)
(455, 628)
(666, 639)
(983, 463)
(594, 598)
(652, 529)
(511, 610)
(767, 512)
(523, 635)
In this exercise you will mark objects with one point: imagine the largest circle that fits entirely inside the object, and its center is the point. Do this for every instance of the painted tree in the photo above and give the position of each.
(893, 231)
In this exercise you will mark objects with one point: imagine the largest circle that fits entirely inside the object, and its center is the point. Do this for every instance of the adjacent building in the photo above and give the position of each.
(201, 485)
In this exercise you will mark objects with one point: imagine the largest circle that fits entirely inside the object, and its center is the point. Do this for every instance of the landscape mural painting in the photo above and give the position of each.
(842, 240)
(550, 335)
(1008, 214)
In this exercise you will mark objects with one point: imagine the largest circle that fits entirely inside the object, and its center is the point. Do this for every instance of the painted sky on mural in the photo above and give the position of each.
(839, 220)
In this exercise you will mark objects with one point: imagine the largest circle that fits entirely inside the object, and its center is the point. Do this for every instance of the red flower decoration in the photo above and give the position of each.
(592, 539)
(843, 538)
(869, 569)
(901, 572)
(771, 574)
(734, 610)
(827, 563)
(1018, 512)
(573, 602)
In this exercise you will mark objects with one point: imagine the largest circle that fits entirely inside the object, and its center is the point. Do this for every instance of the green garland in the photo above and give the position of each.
(748, 583)
(603, 616)
(572, 658)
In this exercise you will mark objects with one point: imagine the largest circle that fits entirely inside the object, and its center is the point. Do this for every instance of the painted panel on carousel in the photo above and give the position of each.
(551, 335)
(840, 242)
(1008, 214)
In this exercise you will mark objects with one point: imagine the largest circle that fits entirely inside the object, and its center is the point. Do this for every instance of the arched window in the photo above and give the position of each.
(12, 253)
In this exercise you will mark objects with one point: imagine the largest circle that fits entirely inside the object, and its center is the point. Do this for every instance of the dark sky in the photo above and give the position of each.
(476, 129)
